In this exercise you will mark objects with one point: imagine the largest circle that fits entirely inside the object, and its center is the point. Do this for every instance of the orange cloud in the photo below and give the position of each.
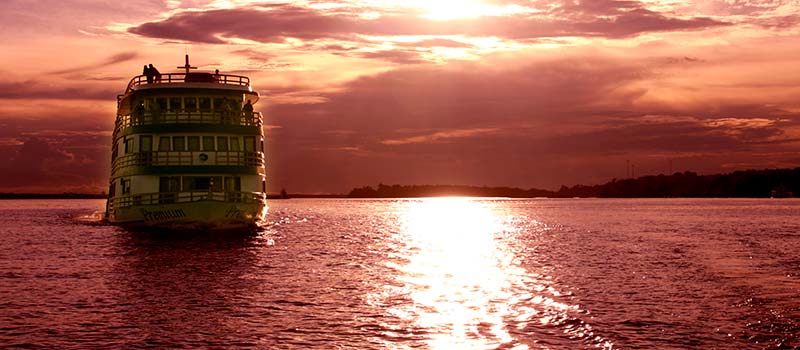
(441, 136)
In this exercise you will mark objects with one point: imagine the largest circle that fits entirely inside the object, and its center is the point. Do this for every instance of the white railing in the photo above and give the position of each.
(184, 197)
(173, 158)
(202, 117)
(192, 77)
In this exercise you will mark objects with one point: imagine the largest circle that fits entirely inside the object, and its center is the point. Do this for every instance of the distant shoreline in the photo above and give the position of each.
(52, 196)
(767, 183)
(342, 196)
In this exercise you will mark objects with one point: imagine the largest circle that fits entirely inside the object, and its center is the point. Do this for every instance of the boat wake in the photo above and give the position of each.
(95, 218)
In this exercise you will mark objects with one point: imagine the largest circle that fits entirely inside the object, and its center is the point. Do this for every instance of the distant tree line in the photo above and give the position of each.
(742, 184)
(65, 195)
(398, 191)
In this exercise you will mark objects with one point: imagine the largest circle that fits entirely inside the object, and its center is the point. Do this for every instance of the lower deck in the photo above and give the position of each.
(199, 209)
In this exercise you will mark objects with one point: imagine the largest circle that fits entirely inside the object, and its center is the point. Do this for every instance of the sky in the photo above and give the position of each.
(538, 93)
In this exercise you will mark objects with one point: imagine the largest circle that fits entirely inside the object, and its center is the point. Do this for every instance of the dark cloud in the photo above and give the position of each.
(111, 60)
(255, 55)
(777, 22)
(743, 7)
(613, 19)
(39, 165)
(541, 124)
(57, 152)
(32, 89)
(21, 19)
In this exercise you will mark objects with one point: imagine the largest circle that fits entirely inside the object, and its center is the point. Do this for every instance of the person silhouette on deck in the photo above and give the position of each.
(155, 73)
(146, 73)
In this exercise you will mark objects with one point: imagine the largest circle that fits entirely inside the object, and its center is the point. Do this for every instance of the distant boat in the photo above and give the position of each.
(187, 151)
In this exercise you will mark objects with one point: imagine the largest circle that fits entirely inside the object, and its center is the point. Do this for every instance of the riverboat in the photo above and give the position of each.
(187, 150)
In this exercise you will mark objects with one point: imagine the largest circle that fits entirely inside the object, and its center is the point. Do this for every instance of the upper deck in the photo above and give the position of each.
(166, 83)
(191, 79)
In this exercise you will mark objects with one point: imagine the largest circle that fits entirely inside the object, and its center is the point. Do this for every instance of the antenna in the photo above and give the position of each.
(187, 66)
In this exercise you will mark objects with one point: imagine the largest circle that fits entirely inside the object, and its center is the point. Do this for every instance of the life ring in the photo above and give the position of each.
(203, 157)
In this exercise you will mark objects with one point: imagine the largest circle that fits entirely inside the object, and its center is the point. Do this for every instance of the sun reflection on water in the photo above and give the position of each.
(459, 283)
(457, 272)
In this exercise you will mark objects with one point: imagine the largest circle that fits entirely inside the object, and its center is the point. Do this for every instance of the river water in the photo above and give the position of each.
(445, 273)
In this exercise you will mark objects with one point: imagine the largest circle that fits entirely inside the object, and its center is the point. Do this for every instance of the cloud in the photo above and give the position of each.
(32, 89)
(255, 55)
(437, 42)
(54, 154)
(740, 7)
(55, 145)
(276, 23)
(441, 136)
(111, 60)
(396, 56)
(539, 122)
(523, 97)
(47, 167)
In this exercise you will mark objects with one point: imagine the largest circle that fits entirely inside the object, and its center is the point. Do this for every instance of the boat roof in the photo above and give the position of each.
(190, 80)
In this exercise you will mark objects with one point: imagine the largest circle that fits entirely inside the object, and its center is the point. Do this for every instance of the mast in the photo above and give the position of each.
(187, 67)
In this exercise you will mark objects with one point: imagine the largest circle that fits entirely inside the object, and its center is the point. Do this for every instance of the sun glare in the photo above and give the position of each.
(458, 9)
(445, 10)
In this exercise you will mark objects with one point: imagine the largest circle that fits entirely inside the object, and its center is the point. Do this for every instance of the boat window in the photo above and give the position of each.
(235, 145)
(222, 143)
(163, 143)
(249, 144)
(216, 183)
(195, 183)
(204, 103)
(218, 103)
(233, 184)
(145, 143)
(128, 145)
(190, 104)
(175, 104)
(169, 184)
(125, 186)
(194, 143)
(202, 183)
(162, 103)
(112, 189)
(208, 143)
(178, 143)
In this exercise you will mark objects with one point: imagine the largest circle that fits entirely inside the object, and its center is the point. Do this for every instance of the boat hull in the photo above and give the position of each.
(197, 214)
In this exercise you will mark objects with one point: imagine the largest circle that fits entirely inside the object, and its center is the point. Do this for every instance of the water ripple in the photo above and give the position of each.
(410, 274)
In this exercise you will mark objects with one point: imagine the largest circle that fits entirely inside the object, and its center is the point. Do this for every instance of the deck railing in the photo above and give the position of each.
(173, 158)
(184, 197)
(204, 117)
(192, 77)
